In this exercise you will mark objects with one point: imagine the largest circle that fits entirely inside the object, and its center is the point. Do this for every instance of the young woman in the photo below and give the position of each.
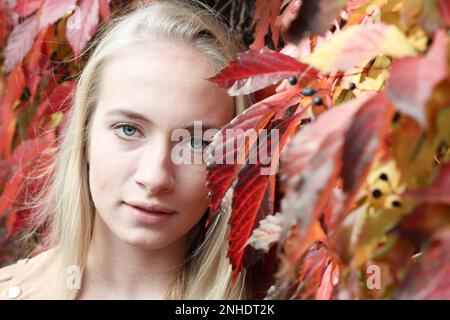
(122, 219)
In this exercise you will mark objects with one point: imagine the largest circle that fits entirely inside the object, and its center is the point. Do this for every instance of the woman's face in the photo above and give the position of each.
(164, 87)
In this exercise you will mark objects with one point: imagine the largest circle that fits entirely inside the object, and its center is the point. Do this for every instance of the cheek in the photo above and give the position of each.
(104, 160)
(191, 181)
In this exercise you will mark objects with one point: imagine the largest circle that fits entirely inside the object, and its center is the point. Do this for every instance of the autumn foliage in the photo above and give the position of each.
(360, 93)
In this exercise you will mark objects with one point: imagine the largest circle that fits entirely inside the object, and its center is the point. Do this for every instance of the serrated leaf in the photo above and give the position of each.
(227, 145)
(252, 71)
(251, 187)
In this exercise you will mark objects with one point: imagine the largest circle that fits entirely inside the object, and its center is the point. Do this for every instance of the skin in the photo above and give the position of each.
(166, 83)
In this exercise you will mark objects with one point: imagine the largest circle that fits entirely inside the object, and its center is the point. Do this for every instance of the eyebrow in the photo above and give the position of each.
(127, 114)
(137, 116)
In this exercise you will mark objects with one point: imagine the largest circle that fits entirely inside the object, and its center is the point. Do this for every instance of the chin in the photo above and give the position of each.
(146, 241)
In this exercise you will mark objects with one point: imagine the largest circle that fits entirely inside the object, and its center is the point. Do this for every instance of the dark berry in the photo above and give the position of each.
(25, 94)
(342, 23)
(66, 76)
(396, 204)
(383, 176)
(292, 80)
(351, 86)
(376, 193)
(317, 101)
(308, 92)
(396, 117)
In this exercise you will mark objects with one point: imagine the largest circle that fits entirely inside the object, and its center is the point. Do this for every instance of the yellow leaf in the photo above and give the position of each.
(356, 45)
(56, 118)
(418, 39)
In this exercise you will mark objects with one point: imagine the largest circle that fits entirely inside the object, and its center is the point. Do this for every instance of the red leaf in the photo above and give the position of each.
(253, 71)
(53, 10)
(330, 279)
(314, 17)
(247, 199)
(225, 145)
(250, 189)
(10, 192)
(306, 143)
(289, 15)
(291, 257)
(319, 273)
(430, 278)
(24, 155)
(59, 100)
(412, 79)
(14, 89)
(4, 171)
(3, 27)
(27, 7)
(438, 191)
(311, 164)
(81, 27)
(362, 142)
(20, 42)
(37, 63)
(104, 9)
(444, 8)
(266, 14)
(334, 210)
(424, 220)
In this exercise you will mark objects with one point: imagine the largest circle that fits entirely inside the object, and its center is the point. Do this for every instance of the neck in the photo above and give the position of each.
(118, 270)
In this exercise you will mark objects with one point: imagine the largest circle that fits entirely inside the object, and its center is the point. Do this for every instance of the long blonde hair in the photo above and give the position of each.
(65, 209)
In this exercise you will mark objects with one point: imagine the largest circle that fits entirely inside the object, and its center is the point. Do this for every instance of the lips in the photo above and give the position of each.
(151, 208)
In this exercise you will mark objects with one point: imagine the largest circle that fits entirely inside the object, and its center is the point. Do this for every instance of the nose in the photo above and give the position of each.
(155, 172)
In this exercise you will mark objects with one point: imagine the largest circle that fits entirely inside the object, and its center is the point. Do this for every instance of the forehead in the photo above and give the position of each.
(166, 83)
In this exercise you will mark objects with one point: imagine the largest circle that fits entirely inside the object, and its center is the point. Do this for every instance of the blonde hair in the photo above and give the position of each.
(65, 208)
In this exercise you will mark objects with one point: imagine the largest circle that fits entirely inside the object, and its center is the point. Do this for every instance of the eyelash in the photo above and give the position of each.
(124, 125)
(129, 125)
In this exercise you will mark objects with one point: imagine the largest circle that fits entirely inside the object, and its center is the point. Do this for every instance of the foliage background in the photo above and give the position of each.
(360, 92)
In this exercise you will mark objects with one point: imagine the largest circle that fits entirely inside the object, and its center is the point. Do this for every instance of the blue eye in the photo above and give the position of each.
(198, 144)
(127, 130)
